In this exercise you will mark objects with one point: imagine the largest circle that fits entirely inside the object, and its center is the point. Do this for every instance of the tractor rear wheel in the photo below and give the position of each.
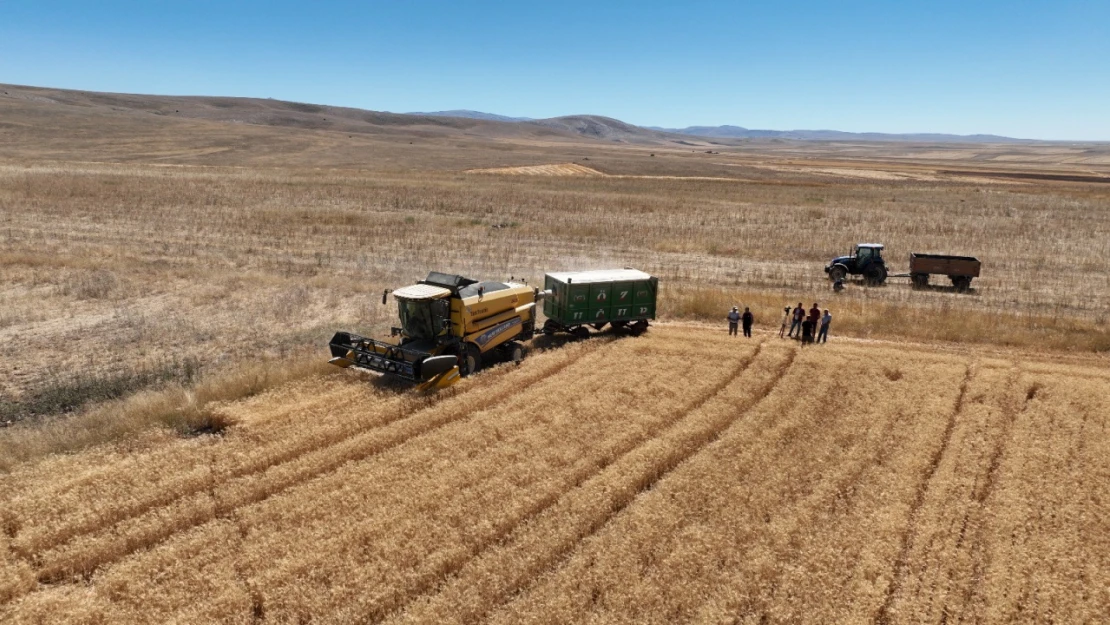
(471, 360)
(875, 274)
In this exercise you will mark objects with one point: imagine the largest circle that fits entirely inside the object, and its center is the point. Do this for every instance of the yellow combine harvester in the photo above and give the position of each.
(448, 325)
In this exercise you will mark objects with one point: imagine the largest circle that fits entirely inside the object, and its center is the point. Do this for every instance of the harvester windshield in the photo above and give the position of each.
(417, 320)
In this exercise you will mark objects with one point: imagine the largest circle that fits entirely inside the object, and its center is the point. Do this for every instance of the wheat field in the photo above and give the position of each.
(175, 449)
(610, 480)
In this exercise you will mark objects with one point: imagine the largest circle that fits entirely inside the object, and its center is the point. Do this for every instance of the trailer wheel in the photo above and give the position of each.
(639, 327)
(920, 280)
(962, 283)
(471, 360)
(581, 332)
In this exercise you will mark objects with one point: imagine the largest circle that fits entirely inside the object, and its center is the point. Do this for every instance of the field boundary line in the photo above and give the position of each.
(49, 574)
(611, 501)
(900, 563)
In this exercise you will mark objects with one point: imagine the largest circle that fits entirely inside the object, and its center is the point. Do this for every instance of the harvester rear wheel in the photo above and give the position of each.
(471, 360)
(515, 352)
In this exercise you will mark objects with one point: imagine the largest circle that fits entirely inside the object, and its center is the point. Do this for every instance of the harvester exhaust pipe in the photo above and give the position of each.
(385, 295)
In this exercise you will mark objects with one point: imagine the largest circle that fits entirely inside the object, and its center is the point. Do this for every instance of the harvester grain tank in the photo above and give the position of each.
(618, 297)
(448, 325)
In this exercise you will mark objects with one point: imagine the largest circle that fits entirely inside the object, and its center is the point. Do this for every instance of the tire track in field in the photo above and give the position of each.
(319, 461)
(589, 507)
(981, 559)
(900, 564)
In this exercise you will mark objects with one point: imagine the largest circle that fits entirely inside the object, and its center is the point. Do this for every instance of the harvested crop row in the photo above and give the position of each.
(86, 552)
(498, 573)
(488, 463)
(940, 554)
(797, 506)
(458, 492)
(16, 577)
(1047, 549)
(129, 485)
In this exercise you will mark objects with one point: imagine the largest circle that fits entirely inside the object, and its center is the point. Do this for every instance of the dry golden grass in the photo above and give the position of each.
(852, 481)
(155, 276)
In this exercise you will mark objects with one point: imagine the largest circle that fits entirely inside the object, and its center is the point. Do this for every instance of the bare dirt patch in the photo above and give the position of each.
(561, 169)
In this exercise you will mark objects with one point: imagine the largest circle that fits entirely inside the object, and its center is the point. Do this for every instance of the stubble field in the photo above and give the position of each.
(174, 448)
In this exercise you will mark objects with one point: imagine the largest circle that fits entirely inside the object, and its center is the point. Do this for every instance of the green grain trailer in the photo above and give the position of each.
(618, 297)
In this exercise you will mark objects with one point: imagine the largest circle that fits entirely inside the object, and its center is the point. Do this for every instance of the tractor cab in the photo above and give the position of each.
(866, 259)
(867, 253)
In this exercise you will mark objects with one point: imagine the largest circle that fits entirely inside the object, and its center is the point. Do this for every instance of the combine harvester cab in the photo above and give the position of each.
(448, 325)
(622, 298)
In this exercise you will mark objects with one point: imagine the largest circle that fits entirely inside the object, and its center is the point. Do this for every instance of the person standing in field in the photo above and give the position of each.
(807, 331)
(785, 320)
(749, 319)
(733, 319)
(814, 317)
(799, 314)
(823, 334)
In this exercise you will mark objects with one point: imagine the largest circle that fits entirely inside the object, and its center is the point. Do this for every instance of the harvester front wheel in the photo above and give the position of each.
(471, 360)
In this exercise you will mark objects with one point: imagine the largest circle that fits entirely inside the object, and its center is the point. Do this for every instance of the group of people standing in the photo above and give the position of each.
(811, 327)
(735, 318)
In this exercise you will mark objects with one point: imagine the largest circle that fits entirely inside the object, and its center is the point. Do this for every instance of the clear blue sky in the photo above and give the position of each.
(1035, 69)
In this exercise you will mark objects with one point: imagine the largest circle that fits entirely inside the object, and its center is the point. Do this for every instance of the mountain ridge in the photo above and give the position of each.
(728, 131)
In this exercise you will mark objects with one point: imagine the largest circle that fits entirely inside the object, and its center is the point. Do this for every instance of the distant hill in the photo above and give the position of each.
(738, 132)
(492, 117)
(603, 128)
(611, 129)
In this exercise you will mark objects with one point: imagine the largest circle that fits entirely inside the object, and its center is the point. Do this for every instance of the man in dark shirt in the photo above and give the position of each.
(749, 318)
(815, 316)
(799, 314)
